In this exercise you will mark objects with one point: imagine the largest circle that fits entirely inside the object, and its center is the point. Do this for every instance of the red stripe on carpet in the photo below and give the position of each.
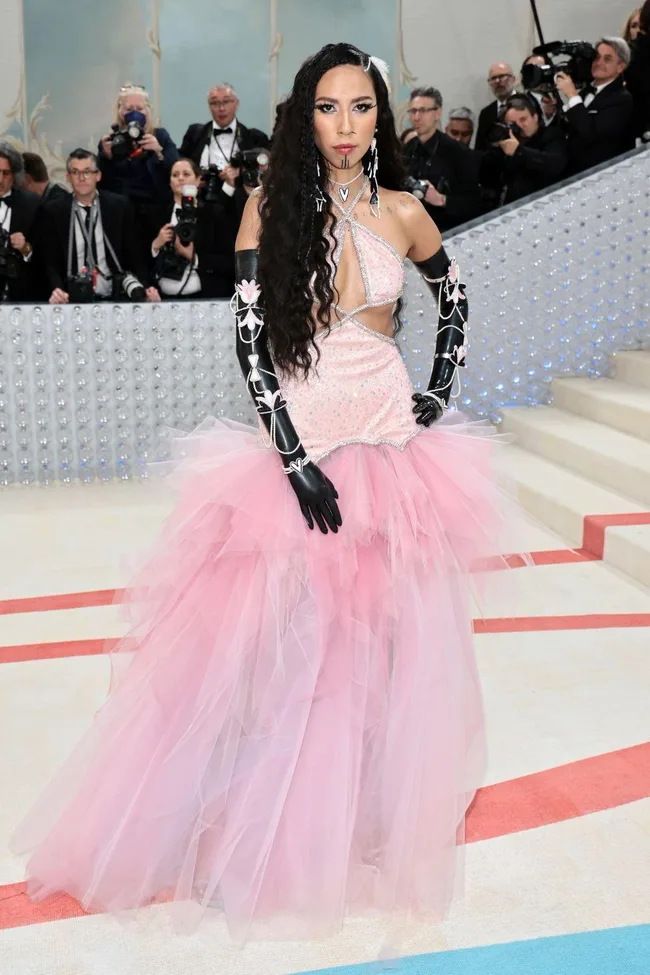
(590, 621)
(16, 909)
(515, 624)
(65, 600)
(52, 651)
(595, 526)
(541, 799)
(555, 795)
(106, 597)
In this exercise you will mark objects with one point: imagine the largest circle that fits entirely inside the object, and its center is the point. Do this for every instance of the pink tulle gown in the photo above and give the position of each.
(299, 732)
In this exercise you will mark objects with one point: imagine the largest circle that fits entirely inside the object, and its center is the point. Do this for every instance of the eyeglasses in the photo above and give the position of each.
(83, 173)
(132, 88)
(223, 104)
(500, 77)
(421, 111)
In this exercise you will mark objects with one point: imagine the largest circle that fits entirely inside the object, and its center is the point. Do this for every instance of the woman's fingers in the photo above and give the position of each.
(307, 515)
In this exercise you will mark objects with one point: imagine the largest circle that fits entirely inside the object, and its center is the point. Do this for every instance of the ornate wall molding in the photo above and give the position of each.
(153, 39)
(274, 57)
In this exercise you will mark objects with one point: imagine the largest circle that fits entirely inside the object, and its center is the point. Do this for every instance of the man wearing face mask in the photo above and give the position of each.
(218, 144)
(135, 158)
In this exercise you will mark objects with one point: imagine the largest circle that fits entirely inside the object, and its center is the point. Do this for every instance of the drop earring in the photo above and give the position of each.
(319, 197)
(373, 166)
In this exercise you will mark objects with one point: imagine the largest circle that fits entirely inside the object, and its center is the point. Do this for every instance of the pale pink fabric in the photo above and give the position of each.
(300, 732)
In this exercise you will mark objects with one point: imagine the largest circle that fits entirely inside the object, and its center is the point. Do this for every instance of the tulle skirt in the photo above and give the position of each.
(294, 730)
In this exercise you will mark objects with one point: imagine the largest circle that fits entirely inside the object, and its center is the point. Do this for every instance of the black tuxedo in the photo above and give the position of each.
(601, 131)
(487, 117)
(53, 191)
(24, 207)
(216, 232)
(118, 225)
(198, 136)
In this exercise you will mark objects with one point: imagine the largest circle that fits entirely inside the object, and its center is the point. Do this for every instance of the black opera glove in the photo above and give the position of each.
(443, 278)
(316, 494)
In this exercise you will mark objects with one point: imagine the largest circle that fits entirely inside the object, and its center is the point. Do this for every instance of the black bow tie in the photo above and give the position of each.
(589, 90)
(7, 200)
(223, 131)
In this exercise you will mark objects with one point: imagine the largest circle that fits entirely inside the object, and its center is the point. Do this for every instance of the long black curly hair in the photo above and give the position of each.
(293, 246)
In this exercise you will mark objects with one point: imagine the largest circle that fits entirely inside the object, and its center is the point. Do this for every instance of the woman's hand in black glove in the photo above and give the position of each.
(316, 495)
(427, 409)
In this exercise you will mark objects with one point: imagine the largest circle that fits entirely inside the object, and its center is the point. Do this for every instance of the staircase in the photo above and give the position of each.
(582, 466)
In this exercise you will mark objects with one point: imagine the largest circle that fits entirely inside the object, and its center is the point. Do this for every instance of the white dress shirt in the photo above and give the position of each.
(220, 150)
(5, 213)
(103, 284)
(588, 99)
(190, 284)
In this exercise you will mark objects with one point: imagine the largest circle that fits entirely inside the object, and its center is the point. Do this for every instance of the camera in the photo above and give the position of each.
(125, 142)
(417, 187)
(251, 161)
(81, 287)
(577, 59)
(186, 226)
(501, 131)
(10, 260)
(212, 190)
(126, 285)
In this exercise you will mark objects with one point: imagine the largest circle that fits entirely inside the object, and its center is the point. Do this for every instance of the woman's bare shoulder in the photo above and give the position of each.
(421, 232)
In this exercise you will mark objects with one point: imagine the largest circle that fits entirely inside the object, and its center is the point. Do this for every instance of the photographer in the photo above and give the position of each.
(461, 125)
(599, 118)
(135, 158)
(194, 249)
(502, 81)
(91, 245)
(525, 155)
(217, 146)
(442, 171)
(637, 75)
(18, 210)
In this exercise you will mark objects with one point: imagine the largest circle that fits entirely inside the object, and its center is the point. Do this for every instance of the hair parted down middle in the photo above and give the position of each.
(295, 238)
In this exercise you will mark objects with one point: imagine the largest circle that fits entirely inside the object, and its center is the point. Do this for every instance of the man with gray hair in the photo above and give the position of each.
(461, 125)
(599, 118)
(220, 142)
(18, 210)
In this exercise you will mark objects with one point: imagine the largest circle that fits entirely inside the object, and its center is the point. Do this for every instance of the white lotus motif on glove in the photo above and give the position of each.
(271, 400)
(248, 291)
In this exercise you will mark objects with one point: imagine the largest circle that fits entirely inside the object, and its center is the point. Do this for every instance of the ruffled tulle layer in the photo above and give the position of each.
(299, 732)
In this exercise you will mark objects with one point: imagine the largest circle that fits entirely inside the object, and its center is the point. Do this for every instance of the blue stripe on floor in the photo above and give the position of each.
(618, 951)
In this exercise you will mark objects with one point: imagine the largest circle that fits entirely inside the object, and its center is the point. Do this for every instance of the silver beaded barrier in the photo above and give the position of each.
(555, 285)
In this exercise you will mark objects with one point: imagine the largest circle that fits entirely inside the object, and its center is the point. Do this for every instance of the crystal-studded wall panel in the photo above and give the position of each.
(556, 286)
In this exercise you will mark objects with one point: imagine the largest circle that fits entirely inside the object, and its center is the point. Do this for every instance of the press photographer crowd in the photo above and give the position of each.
(144, 220)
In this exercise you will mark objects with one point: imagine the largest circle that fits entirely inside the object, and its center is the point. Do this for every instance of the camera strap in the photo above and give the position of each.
(219, 146)
(88, 234)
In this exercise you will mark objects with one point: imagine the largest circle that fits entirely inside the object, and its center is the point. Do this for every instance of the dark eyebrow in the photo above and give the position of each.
(335, 101)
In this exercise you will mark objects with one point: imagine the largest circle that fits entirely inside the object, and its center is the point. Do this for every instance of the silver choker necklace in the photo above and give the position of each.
(344, 188)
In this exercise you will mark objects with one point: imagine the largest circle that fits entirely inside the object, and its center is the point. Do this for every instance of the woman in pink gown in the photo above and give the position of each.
(299, 732)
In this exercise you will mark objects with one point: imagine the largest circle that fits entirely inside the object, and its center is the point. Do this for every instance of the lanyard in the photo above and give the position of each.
(235, 142)
(88, 234)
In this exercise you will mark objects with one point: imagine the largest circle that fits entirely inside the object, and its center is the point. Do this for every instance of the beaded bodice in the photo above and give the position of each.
(359, 390)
